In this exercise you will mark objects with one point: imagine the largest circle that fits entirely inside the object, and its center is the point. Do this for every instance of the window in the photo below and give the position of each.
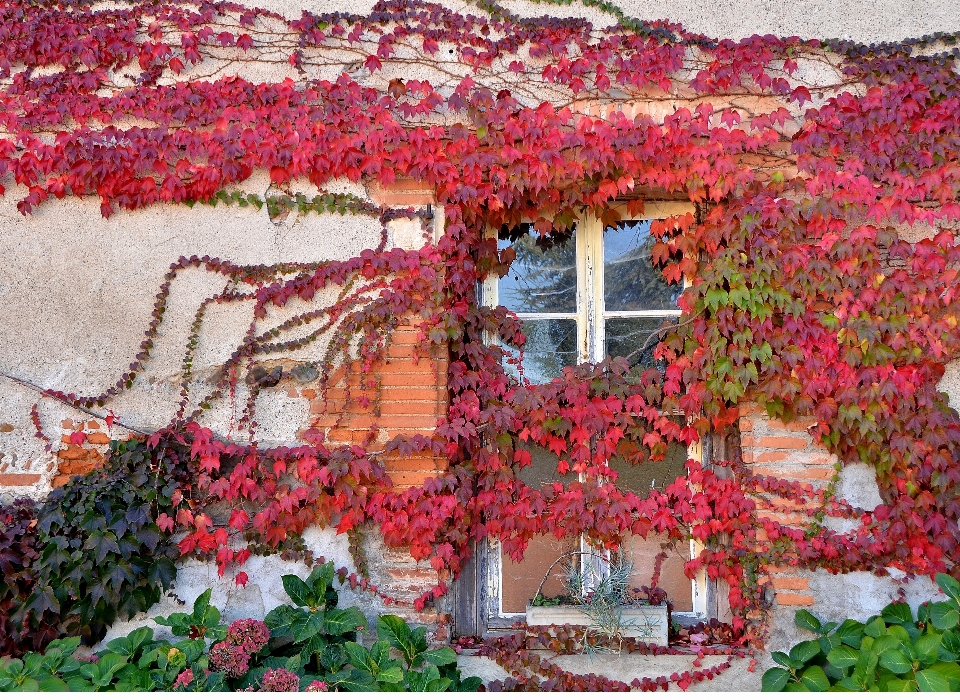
(594, 294)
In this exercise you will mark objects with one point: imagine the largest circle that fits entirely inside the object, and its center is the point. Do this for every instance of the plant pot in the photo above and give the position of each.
(645, 623)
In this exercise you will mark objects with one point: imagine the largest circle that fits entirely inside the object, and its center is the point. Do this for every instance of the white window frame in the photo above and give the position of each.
(591, 316)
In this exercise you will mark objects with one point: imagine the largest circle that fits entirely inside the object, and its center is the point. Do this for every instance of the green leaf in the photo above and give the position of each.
(949, 585)
(306, 625)
(774, 680)
(470, 684)
(896, 661)
(875, 627)
(782, 659)
(360, 682)
(78, 685)
(950, 671)
(863, 672)
(440, 657)
(397, 633)
(944, 616)
(803, 652)
(360, 657)
(804, 619)
(815, 679)
(901, 686)
(341, 621)
(928, 648)
(887, 641)
(843, 657)
(897, 614)
(200, 606)
(951, 641)
(29, 686)
(929, 681)
(298, 591)
(390, 675)
(279, 620)
(53, 685)
(850, 633)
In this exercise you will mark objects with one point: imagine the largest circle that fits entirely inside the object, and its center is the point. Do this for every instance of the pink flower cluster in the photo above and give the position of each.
(316, 687)
(248, 634)
(280, 680)
(230, 659)
(184, 679)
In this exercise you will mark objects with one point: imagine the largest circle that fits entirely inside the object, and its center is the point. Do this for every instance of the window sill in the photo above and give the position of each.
(645, 623)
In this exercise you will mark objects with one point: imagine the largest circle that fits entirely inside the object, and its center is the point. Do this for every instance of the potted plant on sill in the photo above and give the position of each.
(600, 599)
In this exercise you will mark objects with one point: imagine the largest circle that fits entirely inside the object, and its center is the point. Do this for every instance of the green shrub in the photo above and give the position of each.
(889, 652)
(311, 644)
(101, 554)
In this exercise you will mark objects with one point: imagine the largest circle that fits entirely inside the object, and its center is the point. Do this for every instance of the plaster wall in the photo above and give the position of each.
(77, 292)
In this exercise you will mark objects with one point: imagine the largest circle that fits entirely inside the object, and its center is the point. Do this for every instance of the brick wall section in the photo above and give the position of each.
(785, 451)
(410, 394)
(75, 459)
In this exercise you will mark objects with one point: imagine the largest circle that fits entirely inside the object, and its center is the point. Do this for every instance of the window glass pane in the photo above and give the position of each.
(521, 579)
(631, 282)
(625, 336)
(551, 346)
(650, 475)
(641, 479)
(542, 278)
(643, 553)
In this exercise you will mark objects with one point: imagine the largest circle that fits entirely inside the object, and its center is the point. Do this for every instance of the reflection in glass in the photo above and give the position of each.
(542, 278)
(631, 282)
(551, 346)
(625, 336)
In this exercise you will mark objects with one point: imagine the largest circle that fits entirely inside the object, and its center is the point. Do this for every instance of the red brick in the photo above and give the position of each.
(19, 479)
(816, 458)
(412, 408)
(794, 599)
(414, 464)
(93, 425)
(746, 425)
(411, 393)
(799, 425)
(792, 583)
(425, 366)
(771, 457)
(404, 480)
(98, 439)
(308, 393)
(784, 443)
(59, 481)
(72, 452)
(787, 518)
(66, 424)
